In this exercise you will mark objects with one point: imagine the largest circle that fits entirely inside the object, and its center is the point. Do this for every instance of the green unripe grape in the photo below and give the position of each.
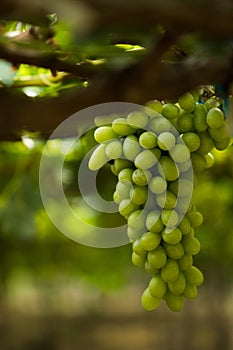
(155, 105)
(169, 218)
(153, 221)
(215, 118)
(170, 111)
(175, 251)
(194, 276)
(166, 200)
(123, 188)
(182, 205)
(157, 257)
(121, 127)
(219, 134)
(125, 174)
(138, 194)
(137, 120)
(98, 158)
(138, 260)
(151, 269)
(171, 236)
(166, 141)
(209, 160)
(191, 245)
(148, 140)
(223, 144)
(174, 302)
(190, 291)
(198, 162)
(137, 220)
(141, 177)
(180, 153)
(185, 262)
(150, 240)
(114, 149)
(183, 167)
(168, 169)
(120, 164)
(206, 143)
(187, 102)
(158, 185)
(192, 141)
(103, 120)
(157, 287)
(126, 207)
(159, 125)
(195, 218)
(178, 286)
(170, 271)
(148, 302)
(138, 249)
(196, 94)
(132, 234)
(185, 122)
(184, 226)
(104, 133)
(182, 187)
(117, 198)
(131, 147)
(199, 120)
(146, 159)
(212, 103)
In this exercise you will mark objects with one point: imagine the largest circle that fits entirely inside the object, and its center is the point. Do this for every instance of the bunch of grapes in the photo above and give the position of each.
(157, 153)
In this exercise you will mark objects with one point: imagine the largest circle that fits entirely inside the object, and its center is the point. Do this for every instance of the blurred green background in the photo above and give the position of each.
(58, 294)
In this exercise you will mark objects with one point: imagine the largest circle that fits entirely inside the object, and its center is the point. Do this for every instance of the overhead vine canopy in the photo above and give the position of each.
(58, 57)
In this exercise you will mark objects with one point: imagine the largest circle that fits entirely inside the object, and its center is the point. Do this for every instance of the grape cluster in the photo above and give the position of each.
(156, 153)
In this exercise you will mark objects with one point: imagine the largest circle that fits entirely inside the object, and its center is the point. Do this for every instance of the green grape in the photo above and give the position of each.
(187, 102)
(209, 160)
(120, 164)
(190, 291)
(168, 169)
(151, 269)
(183, 167)
(138, 249)
(150, 240)
(153, 221)
(104, 133)
(174, 251)
(185, 122)
(180, 153)
(141, 177)
(155, 105)
(148, 140)
(114, 149)
(195, 218)
(132, 234)
(138, 194)
(211, 103)
(182, 205)
(169, 218)
(121, 127)
(157, 257)
(171, 236)
(219, 134)
(98, 158)
(184, 226)
(137, 220)
(103, 120)
(157, 287)
(148, 302)
(223, 144)
(191, 140)
(147, 159)
(126, 207)
(178, 286)
(170, 271)
(174, 302)
(215, 118)
(198, 162)
(182, 187)
(159, 124)
(131, 147)
(199, 120)
(194, 276)
(137, 120)
(117, 198)
(166, 200)
(158, 185)
(185, 262)
(166, 141)
(191, 245)
(206, 143)
(138, 260)
(170, 111)
(123, 188)
(125, 174)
